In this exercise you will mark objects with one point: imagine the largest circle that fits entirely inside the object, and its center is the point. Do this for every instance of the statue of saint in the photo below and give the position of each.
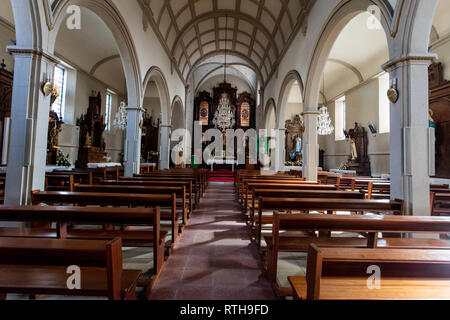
(297, 152)
(353, 150)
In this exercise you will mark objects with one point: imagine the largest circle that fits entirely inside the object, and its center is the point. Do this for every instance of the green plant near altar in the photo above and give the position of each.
(289, 164)
(63, 160)
(343, 166)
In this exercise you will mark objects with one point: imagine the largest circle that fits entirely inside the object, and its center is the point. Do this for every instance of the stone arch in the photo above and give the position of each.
(155, 74)
(109, 14)
(175, 110)
(269, 111)
(338, 19)
(290, 78)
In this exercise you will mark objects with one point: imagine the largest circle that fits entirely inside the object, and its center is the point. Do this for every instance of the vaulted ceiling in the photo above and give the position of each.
(258, 31)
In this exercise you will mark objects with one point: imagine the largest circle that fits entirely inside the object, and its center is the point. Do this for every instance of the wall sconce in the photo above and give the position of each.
(393, 93)
(47, 88)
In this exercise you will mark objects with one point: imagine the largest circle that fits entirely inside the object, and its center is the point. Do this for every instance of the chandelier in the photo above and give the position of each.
(324, 122)
(324, 126)
(120, 120)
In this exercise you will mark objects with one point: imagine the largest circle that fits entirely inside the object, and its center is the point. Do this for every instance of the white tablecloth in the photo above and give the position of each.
(348, 172)
(212, 162)
(104, 165)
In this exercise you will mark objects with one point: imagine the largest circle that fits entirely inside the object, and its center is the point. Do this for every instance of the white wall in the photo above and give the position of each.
(80, 87)
(362, 105)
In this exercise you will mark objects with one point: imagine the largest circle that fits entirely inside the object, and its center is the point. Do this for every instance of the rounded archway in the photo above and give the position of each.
(270, 117)
(178, 122)
(109, 14)
(156, 78)
(332, 29)
(290, 100)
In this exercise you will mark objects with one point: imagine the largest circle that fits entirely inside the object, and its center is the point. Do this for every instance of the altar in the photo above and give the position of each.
(223, 163)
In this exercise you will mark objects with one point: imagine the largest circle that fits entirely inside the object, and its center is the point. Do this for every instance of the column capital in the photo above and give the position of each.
(165, 126)
(310, 113)
(15, 50)
(135, 109)
(427, 58)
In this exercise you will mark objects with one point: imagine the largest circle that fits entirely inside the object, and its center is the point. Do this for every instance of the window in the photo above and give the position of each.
(108, 110)
(59, 80)
(384, 116)
(340, 113)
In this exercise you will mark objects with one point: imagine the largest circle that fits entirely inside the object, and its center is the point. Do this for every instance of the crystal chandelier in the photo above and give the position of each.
(120, 120)
(324, 122)
(324, 126)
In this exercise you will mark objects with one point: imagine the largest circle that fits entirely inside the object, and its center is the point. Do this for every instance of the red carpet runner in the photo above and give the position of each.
(221, 176)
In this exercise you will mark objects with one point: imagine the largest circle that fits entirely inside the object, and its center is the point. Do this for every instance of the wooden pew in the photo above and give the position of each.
(370, 226)
(255, 178)
(93, 216)
(156, 183)
(301, 193)
(114, 200)
(322, 204)
(197, 180)
(39, 266)
(130, 189)
(245, 191)
(303, 185)
(341, 274)
(167, 181)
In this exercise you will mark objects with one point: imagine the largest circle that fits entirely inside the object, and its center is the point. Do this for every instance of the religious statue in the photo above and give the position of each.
(359, 159)
(353, 150)
(297, 152)
(294, 138)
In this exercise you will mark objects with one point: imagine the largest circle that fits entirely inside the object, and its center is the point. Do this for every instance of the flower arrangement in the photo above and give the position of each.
(293, 164)
(343, 166)
(63, 160)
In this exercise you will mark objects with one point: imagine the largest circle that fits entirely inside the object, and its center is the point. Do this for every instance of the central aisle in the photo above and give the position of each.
(214, 259)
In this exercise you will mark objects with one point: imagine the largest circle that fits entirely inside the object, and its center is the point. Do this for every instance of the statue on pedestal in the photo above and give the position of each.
(359, 159)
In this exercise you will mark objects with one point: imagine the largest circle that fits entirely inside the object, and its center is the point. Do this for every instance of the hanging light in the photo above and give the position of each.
(324, 126)
(120, 120)
(324, 122)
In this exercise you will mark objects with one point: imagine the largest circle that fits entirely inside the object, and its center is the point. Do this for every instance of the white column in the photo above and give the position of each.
(165, 146)
(29, 125)
(409, 134)
(280, 149)
(310, 146)
(132, 148)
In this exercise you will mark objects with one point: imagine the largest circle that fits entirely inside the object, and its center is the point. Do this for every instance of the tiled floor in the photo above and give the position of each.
(214, 259)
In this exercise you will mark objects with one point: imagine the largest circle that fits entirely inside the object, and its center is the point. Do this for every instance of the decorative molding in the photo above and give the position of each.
(387, 66)
(310, 113)
(18, 51)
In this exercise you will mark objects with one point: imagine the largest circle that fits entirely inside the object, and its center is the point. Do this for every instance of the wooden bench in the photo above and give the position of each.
(93, 216)
(114, 200)
(369, 226)
(194, 191)
(39, 266)
(197, 182)
(322, 204)
(246, 190)
(315, 192)
(180, 192)
(341, 274)
(283, 185)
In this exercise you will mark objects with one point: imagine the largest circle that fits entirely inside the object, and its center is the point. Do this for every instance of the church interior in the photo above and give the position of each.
(225, 150)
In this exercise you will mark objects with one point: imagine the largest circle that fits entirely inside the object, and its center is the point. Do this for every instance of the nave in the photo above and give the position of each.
(215, 258)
